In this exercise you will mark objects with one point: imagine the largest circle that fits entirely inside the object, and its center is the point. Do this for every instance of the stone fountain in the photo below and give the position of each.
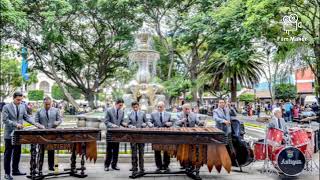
(141, 89)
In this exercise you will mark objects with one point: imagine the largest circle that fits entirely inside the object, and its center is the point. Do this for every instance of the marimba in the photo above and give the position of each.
(194, 145)
(80, 141)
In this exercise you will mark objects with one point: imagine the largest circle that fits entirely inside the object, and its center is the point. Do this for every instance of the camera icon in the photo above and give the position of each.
(290, 23)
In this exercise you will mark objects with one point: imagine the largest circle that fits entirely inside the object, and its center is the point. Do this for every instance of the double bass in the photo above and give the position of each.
(243, 153)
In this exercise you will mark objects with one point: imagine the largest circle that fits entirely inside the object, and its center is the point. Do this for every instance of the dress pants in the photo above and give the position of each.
(112, 154)
(166, 159)
(11, 152)
(135, 147)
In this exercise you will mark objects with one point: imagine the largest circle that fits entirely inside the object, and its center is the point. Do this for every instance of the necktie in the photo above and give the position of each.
(117, 114)
(47, 114)
(279, 124)
(136, 116)
(224, 112)
(17, 107)
(161, 117)
(187, 121)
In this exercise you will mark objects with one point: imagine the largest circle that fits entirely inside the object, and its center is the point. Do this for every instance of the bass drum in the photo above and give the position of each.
(289, 160)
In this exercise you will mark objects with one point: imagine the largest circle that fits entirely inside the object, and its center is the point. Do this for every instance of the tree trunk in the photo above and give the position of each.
(171, 63)
(233, 88)
(90, 97)
(316, 50)
(60, 84)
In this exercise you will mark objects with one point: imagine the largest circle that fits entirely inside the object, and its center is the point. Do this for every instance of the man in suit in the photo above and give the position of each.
(50, 118)
(187, 118)
(114, 119)
(222, 117)
(13, 115)
(137, 119)
(277, 121)
(161, 118)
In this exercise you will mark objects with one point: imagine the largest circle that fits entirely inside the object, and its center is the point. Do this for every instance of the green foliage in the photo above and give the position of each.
(285, 91)
(247, 97)
(35, 95)
(102, 97)
(176, 86)
(10, 72)
(57, 92)
(117, 93)
(87, 40)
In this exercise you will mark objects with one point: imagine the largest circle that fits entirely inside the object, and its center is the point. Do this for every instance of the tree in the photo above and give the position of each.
(176, 87)
(247, 97)
(269, 24)
(83, 41)
(57, 93)
(35, 95)
(185, 30)
(285, 91)
(10, 73)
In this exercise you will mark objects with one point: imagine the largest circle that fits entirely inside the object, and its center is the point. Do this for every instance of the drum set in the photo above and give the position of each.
(289, 152)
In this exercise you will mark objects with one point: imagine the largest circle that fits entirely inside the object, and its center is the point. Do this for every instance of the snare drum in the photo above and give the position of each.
(299, 137)
(275, 136)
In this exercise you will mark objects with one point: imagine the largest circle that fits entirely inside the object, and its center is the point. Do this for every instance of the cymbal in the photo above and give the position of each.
(264, 119)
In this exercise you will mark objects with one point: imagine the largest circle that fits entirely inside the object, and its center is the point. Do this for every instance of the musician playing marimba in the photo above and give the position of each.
(114, 118)
(161, 118)
(49, 117)
(137, 119)
(13, 115)
(188, 119)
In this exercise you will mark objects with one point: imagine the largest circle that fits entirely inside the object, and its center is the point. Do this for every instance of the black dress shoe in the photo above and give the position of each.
(166, 169)
(116, 168)
(8, 177)
(18, 173)
(158, 170)
(141, 171)
(106, 169)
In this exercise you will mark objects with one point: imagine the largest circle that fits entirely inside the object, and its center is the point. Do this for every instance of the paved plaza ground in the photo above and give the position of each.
(96, 172)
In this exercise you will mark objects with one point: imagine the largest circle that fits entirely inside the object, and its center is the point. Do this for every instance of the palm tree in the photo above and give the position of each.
(245, 71)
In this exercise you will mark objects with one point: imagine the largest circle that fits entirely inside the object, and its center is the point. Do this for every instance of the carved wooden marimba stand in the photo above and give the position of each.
(78, 141)
(37, 158)
(193, 173)
(193, 147)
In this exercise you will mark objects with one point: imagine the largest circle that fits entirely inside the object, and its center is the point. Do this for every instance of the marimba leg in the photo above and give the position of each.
(33, 163)
(40, 158)
(73, 159)
(83, 146)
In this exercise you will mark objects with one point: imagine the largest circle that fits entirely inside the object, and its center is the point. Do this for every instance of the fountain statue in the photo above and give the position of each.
(141, 89)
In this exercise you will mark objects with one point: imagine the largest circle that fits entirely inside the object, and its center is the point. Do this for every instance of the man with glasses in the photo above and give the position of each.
(114, 119)
(13, 115)
(161, 118)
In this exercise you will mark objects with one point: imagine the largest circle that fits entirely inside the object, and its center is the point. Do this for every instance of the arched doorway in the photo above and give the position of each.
(45, 86)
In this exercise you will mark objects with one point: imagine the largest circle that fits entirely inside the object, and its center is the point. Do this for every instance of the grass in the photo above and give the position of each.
(247, 124)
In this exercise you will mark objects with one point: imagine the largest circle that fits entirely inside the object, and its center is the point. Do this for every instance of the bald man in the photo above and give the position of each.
(187, 118)
(161, 118)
